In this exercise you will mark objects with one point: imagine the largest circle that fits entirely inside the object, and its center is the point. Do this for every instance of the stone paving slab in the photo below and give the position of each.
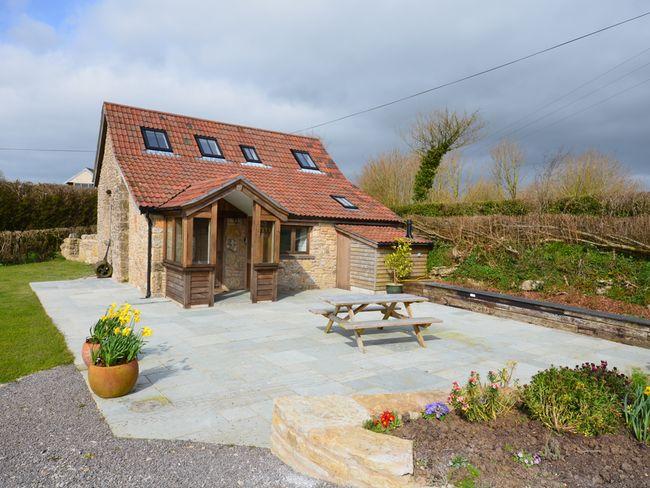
(211, 374)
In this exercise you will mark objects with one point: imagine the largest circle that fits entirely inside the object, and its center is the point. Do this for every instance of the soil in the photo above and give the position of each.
(568, 460)
(574, 298)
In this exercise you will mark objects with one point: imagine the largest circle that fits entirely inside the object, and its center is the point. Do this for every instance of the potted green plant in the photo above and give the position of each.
(399, 263)
(114, 369)
(114, 317)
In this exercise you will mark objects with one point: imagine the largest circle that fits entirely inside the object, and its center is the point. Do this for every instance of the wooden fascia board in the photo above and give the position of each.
(99, 152)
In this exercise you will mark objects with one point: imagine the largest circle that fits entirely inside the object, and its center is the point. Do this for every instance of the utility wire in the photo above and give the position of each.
(600, 102)
(546, 105)
(46, 150)
(474, 75)
(561, 107)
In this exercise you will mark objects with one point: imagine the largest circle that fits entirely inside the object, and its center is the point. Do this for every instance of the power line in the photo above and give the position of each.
(600, 102)
(474, 75)
(571, 92)
(46, 150)
(566, 105)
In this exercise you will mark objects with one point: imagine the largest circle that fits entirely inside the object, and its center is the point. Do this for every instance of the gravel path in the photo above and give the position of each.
(51, 434)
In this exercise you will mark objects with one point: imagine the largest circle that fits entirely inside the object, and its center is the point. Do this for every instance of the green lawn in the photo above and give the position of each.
(29, 341)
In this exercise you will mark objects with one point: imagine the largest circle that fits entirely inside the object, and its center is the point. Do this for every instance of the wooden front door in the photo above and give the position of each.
(342, 261)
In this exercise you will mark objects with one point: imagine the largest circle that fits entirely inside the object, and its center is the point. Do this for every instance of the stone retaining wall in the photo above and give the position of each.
(620, 328)
(82, 249)
(323, 437)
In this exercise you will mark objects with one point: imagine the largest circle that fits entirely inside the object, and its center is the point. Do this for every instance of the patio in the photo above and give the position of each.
(211, 374)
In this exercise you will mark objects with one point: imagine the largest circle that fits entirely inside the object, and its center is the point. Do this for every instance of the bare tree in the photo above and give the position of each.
(593, 173)
(448, 180)
(389, 177)
(481, 190)
(507, 160)
(434, 135)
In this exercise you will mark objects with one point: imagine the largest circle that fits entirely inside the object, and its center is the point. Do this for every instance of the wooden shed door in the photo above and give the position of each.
(342, 261)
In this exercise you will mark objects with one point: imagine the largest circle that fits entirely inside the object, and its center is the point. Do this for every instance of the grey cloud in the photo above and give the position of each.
(287, 65)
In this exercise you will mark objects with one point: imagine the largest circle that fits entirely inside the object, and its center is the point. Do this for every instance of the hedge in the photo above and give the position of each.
(27, 206)
(628, 207)
(35, 245)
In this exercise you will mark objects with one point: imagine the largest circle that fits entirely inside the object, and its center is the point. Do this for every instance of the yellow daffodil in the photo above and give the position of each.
(126, 331)
(647, 390)
(117, 330)
(146, 332)
(136, 316)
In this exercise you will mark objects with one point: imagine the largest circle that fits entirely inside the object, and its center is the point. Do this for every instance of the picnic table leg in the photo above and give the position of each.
(418, 334)
(407, 306)
(358, 332)
(330, 322)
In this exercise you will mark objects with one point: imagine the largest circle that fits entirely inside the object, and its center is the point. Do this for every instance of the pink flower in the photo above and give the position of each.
(495, 386)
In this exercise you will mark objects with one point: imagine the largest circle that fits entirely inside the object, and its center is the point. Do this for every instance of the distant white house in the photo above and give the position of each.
(83, 179)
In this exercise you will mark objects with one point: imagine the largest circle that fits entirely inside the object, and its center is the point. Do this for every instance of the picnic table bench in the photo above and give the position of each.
(343, 310)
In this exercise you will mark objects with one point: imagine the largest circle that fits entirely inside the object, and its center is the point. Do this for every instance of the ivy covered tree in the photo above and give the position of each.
(434, 135)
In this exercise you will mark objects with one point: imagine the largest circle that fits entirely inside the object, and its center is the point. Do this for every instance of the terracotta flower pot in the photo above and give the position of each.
(113, 381)
(86, 352)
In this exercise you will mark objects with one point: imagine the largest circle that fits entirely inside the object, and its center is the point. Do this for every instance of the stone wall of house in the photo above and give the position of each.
(82, 249)
(113, 214)
(316, 270)
(138, 243)
(235, 253)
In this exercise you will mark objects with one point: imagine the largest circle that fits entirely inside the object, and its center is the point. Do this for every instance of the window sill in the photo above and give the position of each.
(296, 257)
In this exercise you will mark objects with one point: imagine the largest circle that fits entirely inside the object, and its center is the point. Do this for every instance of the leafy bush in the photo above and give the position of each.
(28, 206)
(616, 382)
(587, 205)
(399, 262)
(636, 407)
(572, 400)
(35, 245)
(437, 209)
(478, 402)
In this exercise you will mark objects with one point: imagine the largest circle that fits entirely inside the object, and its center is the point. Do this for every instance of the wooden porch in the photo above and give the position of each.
(226, 239)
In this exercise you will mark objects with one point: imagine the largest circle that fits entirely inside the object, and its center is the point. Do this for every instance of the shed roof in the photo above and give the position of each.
(379, 235)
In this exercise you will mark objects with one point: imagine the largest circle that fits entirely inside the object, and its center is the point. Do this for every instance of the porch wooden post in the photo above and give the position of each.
(187, 259)
(213, 251)
(255, 248)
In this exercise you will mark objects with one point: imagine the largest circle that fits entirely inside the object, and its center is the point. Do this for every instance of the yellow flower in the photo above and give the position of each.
(647, 390)
(117, 330)
(136, 316)
(126, 331)
(146, 332)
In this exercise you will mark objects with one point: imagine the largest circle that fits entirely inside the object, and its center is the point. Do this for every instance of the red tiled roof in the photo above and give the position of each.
(380, 235)
(155, 178)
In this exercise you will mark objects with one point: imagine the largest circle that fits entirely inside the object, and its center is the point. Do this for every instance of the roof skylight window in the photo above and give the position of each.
(344, 202)
(156, 140)
(304, 160)
(209, 147)
(250, 154)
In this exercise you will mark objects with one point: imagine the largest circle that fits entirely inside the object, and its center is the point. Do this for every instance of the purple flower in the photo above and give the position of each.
(438, 409)
(537, 459)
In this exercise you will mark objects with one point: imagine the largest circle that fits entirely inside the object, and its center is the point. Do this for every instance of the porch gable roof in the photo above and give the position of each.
(202, 193)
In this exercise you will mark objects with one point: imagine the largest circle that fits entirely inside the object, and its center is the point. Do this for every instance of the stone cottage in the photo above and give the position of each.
(190, 208)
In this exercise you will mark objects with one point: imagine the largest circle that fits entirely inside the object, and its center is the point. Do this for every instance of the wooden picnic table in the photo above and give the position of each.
(344, 308)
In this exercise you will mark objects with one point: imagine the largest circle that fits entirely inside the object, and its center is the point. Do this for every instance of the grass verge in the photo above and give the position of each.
(562, 267)
(29, 341)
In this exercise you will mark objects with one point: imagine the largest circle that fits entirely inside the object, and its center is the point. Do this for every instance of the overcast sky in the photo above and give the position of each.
(286, 65)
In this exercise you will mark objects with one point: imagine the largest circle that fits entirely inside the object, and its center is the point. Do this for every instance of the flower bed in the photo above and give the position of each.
(493, 449)
(584, 426)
